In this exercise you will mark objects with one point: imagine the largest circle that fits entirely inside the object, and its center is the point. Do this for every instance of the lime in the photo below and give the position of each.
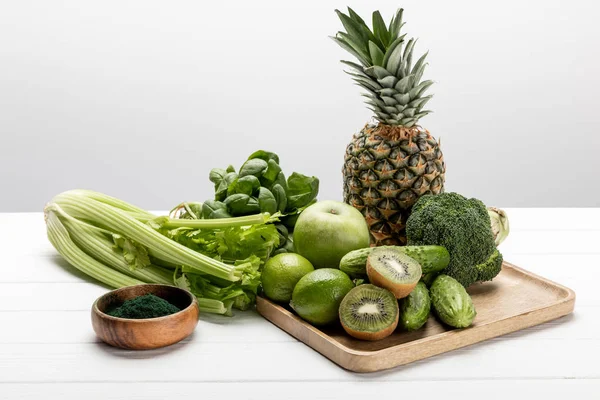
(318, 294)
(281, 273)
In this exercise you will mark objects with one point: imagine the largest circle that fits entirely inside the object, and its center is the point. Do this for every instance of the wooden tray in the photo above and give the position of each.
(514, 300)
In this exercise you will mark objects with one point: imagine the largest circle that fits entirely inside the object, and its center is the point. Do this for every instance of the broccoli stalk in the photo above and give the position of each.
(463, 227)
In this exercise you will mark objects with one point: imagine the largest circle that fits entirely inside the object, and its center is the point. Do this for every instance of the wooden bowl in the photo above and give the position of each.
(150, 333)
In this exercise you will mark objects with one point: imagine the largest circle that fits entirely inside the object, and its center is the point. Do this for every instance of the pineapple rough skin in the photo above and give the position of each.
(463, 227)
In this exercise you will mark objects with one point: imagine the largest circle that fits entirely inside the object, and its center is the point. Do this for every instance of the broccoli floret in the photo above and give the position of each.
(490, 268)
(463, 227)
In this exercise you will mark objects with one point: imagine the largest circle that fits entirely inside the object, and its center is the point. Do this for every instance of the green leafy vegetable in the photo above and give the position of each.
(281, 181)
(260, 185)
(267, 201)
(290, 220)
(271, 173)
(302, 190)
(222, 179)
(280, 197)
(283, 232)
(230, 244)
(212, 209)
(264, 155)
(134, 254)
(245, 185)
(255, 166)
(119, 245)
(242, 204)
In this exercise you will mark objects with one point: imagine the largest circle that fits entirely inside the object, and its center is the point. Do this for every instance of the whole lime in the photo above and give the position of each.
(318, 294)
(281, 273)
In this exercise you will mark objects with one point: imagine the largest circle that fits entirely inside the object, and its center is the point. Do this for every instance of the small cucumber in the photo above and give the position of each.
(428, 279)
(414, 309)
(451, 302)
(355, 262)
(431, 258)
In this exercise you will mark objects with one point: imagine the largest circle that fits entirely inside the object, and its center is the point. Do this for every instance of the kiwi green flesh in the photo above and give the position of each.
(395, 266)
(368, 308)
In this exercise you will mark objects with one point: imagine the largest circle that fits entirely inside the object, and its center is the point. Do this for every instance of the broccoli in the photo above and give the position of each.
(462, 226)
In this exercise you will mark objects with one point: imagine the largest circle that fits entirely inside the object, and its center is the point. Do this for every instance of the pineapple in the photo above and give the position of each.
(391, 163)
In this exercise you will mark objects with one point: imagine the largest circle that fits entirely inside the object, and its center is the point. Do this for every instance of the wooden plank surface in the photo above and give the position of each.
(261, 390)
(50, 350)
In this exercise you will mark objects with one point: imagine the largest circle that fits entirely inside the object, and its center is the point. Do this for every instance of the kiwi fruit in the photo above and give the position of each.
(369, 312)
(393, 270)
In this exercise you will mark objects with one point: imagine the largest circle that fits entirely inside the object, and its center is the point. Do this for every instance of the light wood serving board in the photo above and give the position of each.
(514, 300)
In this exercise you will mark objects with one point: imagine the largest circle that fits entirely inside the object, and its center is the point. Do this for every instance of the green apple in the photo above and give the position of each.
(328, 230)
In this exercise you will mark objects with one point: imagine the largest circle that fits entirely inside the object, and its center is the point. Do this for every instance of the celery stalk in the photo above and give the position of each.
(213, 306)
(138, 213)
(213, 223)
(80, 206)
(60, 239)
(96, 242)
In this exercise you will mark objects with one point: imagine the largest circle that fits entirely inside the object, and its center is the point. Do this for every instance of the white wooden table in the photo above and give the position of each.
(48, 348)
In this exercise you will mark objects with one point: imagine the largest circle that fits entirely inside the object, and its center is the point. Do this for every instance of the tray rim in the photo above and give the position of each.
(565, 305)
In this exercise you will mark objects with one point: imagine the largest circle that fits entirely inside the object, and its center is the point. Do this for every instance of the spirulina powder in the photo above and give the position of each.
(146, 306)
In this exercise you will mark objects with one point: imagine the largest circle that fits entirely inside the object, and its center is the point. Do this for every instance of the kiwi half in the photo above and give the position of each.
(369, 312)
(393, 270)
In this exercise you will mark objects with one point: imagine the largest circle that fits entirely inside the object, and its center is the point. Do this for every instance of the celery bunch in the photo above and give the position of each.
(219, 260)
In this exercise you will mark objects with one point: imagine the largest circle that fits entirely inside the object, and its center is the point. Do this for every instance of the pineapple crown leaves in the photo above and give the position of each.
(394, 90)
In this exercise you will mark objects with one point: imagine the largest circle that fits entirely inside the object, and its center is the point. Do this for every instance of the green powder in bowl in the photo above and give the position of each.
(146, 306)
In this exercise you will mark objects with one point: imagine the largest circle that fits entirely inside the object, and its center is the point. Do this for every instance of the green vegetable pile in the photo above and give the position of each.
(119, 244)
(260, 186)
(214, 249)
(448, 299)
(463, 227)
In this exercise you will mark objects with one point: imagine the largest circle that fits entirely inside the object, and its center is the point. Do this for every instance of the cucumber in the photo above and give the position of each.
(354, 263)
(451, 302)
(414, 309)
(428, 279)
(431, 258)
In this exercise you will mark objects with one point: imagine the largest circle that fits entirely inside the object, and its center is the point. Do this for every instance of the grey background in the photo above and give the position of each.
(140, 99)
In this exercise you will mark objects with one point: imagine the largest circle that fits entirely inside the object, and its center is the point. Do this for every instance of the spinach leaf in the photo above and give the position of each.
(270, 174)
(290, 220)
(302, 190)
(212, 209)
(283, 234)
(216, 176)
(247, 185)
(281, 181)
(264, 155)
(267, 201)
(242, 204)
(255, 167)
(222, 179)
(289, 245)
(280, 196)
